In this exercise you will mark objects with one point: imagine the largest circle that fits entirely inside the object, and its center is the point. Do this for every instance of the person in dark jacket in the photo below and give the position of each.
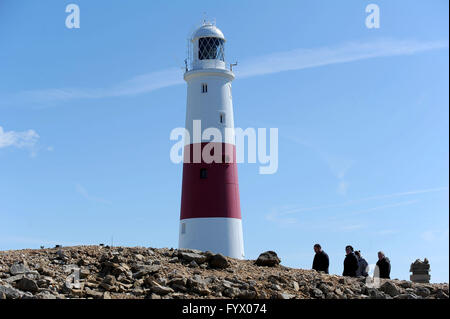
(362, 265)
(350, 262)
(321, 261)
(384, 265)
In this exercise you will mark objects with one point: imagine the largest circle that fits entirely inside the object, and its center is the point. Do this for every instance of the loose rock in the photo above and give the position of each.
(268, 258)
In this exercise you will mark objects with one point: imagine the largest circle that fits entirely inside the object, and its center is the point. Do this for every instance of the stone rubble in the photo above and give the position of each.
(420, 271)
(102, 272)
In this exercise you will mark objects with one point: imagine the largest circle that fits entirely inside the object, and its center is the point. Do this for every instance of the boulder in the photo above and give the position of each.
(93, 293)
(231, 292)
(26, 284)
(10, 293)
(374, 293)
(422, 291)
(45, 295)
(18, 268)
(179, 281)
(268, 258)
(160, 290)
(284, 295)
(390, 289)
(247, 294)
(108, 283)
(316, 293)
(331, 295)
(324, 288)
(13, 279)
(190, 256)
(146, 270)
(218, 261)
(441, 295)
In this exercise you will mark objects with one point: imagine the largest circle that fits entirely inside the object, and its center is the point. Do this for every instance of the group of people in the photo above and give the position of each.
(354, 263)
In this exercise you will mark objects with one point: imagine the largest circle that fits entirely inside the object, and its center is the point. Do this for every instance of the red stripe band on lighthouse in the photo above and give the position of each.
(216, 192)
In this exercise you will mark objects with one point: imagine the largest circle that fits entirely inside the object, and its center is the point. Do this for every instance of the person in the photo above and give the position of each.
(384, 265)
(350, 262)
(321, 261)
(362, 265)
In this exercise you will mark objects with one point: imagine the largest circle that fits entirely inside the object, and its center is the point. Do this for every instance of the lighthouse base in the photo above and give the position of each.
(216, 234)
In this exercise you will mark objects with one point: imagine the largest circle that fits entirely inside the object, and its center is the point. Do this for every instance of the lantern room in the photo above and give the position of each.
(207, 48)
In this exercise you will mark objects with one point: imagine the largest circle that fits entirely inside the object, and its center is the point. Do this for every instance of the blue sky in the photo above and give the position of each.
(362, 116)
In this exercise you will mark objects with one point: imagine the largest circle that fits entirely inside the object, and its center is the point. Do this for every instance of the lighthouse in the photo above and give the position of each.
(210, 217)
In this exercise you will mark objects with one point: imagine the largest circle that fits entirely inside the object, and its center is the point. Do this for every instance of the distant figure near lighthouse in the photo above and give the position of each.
(210, 216)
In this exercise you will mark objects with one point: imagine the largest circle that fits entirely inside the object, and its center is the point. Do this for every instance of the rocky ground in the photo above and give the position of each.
(138, 272)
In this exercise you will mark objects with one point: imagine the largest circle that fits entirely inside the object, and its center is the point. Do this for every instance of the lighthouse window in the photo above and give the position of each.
(183, 228)
(204, 88)
(203, 173)
(211, 49)
(222, 118)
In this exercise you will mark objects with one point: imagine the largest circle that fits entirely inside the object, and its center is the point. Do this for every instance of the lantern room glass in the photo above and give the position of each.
(211, 49)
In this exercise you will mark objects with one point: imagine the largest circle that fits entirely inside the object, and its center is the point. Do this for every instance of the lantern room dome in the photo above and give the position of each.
(207, 30)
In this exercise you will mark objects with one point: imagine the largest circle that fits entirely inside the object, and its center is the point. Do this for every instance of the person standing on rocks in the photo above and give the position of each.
(384, 265)
(350, 262)
(362, 265)
(321, 261)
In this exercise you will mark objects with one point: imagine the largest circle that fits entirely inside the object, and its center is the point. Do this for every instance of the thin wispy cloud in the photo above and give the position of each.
(83, 192)
(414, 192)
(23, 139)
(349, 52)
(434, 235)
(284, 219)
(342, 187)
(351, 227)
(137, 85)
(268, 64)
(286, 215)
(344, 223)
(385, 232)
(338, 166)
(398, 204)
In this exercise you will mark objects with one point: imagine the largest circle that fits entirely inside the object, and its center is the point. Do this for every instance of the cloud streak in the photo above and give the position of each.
(434, 235)
(349, 52)
(263, 65)
(25, 139)
(137, 85)
(398, 204)
(83, 192)
(281, 215)
(338, 166)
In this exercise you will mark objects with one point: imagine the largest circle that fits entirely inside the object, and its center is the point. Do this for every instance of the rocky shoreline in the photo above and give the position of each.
(136, 273)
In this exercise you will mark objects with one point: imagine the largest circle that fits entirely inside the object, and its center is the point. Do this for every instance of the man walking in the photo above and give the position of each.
(350, 262)
(384, 265)
(321, 261)
(362, 265)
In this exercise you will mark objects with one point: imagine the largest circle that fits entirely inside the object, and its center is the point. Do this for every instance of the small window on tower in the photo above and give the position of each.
(204, 88)
(222, 118)
(183, 228)
(203, 173)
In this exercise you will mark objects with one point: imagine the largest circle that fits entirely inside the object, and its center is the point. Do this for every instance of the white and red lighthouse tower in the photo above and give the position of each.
(210, 216)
